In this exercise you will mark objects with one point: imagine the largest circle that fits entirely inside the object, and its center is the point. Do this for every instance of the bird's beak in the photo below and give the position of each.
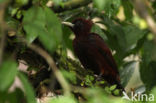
(68, 24)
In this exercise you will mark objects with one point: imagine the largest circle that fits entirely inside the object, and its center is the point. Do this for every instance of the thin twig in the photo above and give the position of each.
(71, 4)
(2, 30)
(141, 8)
(53, 66)
(2, 45)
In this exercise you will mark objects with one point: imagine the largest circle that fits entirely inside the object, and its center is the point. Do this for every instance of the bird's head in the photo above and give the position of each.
(80, 26)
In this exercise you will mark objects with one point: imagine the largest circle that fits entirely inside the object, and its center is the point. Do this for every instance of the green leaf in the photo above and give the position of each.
(140, 43)
(128, 9)
(122, 39)
(1, 1)
(29, 92)
(53, 29)
(149, 52)
(98, 95)
(17, 95)
(116, 38)
(12, 97)
(113, 8)
(117, 41)
(34, 22)
(8, 71)
(63, 99)
(132, 34)
(3, 97)
(118, 32)
(109, 6)
(153, 92)
(44, 23)
(101, 4)
(89, 80)
(148, 75)
(57, 2)
(21, 2)
(107, 89)
(148, 65)
(113, 87)
(71, 76)
(116, 92)
(66, 38)
(127, 72)
(97, 29)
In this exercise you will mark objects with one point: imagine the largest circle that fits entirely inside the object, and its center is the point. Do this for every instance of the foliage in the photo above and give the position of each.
(29, 22)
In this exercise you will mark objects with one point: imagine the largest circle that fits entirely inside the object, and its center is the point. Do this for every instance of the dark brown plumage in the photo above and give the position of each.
(93, 53)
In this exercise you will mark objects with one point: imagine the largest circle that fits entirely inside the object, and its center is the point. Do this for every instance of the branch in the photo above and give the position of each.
(2, 30)
(141, 8)
(53, 66)
(70, 5)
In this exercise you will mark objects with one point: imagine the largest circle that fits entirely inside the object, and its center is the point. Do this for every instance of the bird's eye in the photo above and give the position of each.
(79, 24)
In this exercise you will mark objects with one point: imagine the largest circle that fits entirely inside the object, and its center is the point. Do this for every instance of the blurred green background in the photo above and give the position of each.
(127, 26)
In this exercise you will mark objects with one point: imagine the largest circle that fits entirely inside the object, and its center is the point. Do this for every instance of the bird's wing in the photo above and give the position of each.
(94, 54)
(104, 51)
(85, 54)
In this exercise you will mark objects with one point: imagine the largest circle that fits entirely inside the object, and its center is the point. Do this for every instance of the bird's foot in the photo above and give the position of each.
(99, 77)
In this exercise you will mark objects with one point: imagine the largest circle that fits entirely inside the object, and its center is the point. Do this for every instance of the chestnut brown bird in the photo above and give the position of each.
(93, 52)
